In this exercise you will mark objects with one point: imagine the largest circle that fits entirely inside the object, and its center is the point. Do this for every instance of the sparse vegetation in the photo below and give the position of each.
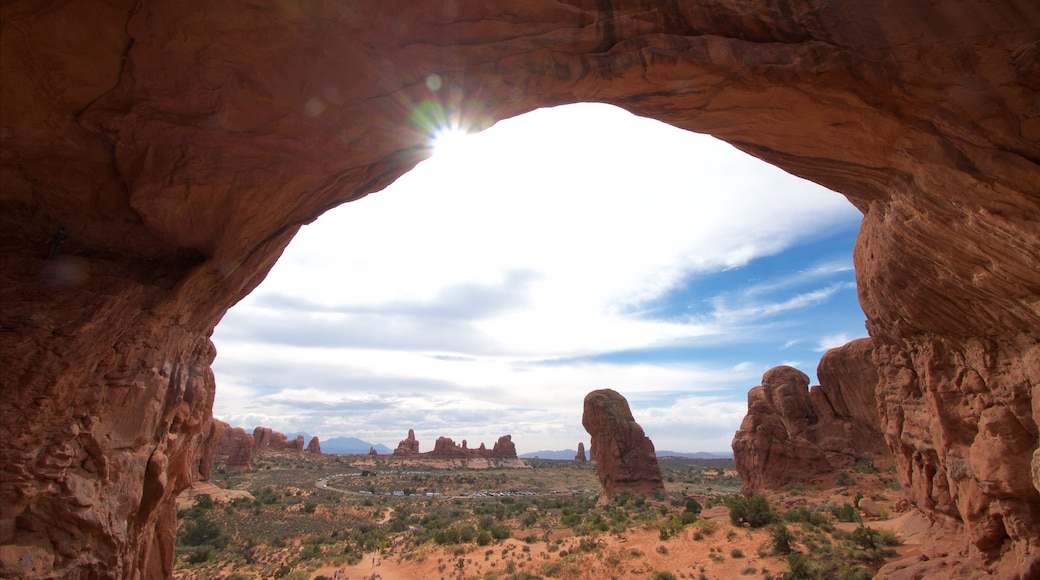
(754, 511)
(499, 524)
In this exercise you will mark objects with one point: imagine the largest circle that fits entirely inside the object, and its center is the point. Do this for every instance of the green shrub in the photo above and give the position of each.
(781, 538)
(203, 501)
(847, 513)
(753, 511)
(662, 576)
(798, 568)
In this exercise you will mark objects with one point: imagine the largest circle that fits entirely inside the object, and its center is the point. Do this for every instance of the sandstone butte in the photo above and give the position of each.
(445, 447)
(183, 144)
(624, 455)
(794, 434)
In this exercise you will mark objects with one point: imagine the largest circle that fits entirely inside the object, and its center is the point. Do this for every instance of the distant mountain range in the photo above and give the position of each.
(570, 453)
(346, 445)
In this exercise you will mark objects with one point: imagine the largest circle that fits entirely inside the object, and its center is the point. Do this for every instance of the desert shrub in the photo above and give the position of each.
(781, 538)
(847, 513)
(798, 568)
(267, 496)
(483, 538)
(203, 501)
(865, 465)
(844, 479)
(805, 515)
(309, 507)
(202, 532)
(753, 511)
(736, 553)
(551, 569)
(662, 576)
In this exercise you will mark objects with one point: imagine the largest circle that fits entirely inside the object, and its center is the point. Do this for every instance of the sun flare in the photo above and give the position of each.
(449, 139)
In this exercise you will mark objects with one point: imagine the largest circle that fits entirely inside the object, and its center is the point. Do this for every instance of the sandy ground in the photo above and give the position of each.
(637, 554)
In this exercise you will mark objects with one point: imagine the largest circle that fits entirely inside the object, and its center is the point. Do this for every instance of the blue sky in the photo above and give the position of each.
(566, 250)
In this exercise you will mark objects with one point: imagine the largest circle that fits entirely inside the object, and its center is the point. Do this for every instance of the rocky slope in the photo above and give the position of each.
(795, 434)
(624, 455)
(182, 145)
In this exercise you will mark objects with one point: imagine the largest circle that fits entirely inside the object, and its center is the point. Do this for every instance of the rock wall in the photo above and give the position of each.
(182, 145)
(624, 455)
(795, 434)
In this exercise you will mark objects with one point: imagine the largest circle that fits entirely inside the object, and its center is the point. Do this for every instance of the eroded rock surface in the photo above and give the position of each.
(446, 448)
(408, 446)
(314, 446)
(624, 455)
(580, 455)
(794, 434)
(182, 145)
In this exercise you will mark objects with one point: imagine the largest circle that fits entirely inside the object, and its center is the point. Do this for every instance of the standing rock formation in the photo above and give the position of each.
(504, 447)
(793, 434)
(182, 150)
(267, 439)
(408, 446)
(624, 455)
(372, 451)
(580, 455)
(213, 436)
(314, 446)
(238, 449)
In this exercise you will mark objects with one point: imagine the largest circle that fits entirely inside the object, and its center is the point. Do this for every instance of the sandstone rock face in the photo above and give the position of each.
(237, 449)
(580, 455)
(266, 439)
(372, 451)
(182, 148)
(446, 448)
(624, 455)
(793, 434)
(408, 446)
(314, 446)
(213, 436)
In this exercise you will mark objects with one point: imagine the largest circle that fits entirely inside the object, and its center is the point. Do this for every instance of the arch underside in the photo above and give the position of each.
(185, 146)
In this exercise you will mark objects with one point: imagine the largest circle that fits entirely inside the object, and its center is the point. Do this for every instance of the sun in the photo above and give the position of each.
(449, 139)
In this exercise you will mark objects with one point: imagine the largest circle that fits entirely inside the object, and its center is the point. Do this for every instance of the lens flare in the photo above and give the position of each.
(449, 139)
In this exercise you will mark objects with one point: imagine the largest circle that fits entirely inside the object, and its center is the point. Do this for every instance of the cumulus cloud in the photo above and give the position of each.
(478, 291)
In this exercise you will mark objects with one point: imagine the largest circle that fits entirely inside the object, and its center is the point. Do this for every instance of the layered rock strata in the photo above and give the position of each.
(795, 434)
(624, 455)
(181, 148)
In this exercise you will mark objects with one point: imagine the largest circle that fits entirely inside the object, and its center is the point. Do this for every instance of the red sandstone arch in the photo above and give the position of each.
(182, 146)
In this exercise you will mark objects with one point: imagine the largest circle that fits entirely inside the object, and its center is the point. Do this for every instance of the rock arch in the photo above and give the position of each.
(182, 147)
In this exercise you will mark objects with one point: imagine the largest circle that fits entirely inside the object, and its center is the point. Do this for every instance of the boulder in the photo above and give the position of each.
(624, 455)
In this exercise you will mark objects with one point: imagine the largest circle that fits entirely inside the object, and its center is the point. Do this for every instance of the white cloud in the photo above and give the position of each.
(833, 341)
(534, 241)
